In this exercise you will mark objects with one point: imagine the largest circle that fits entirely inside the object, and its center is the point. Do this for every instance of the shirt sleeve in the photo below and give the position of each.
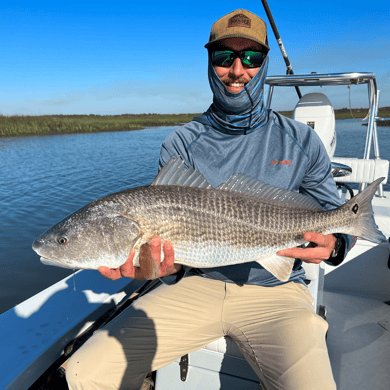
(319, 184)
(175, 145)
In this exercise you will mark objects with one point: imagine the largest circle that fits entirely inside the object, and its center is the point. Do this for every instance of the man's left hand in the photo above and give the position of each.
(324, 245)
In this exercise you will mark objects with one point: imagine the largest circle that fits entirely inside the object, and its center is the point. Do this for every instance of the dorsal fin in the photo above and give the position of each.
(177, 173)
(252, 187)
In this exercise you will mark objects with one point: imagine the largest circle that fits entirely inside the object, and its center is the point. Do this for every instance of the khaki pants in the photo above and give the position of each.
(276, 328)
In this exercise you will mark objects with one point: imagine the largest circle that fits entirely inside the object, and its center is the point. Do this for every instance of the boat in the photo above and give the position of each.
(40, 334)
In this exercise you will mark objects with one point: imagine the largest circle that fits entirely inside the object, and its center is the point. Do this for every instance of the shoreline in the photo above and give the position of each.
(385, 123)
(28, 126)
(48, 125)
(57, 132)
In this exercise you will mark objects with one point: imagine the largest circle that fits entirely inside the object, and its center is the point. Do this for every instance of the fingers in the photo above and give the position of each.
(169, 255)
(152, 266)
(319, 239)
(150, 259)
(126, 270)
(167, 266)
(148, 266)
(155, 245)
(110, 273)
(308, 255)
(322, 251)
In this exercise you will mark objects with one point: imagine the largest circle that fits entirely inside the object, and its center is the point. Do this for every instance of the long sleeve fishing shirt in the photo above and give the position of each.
(282, 152)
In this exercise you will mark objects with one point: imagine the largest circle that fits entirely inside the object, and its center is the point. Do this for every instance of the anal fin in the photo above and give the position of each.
(278, 266)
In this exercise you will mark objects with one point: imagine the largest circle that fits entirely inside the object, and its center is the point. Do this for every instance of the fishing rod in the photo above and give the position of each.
(280, 43)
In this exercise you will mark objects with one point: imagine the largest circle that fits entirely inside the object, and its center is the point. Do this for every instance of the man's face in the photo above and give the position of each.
(236, 76)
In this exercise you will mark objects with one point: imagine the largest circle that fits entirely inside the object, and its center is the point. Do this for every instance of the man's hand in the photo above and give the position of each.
(150, 267)
(324, 245)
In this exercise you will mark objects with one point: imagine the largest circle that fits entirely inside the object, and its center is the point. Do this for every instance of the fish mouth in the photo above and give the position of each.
(37, 245)
(56, 263)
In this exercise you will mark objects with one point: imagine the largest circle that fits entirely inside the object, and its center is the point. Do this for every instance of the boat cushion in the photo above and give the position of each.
(363, 171)
(225, 345)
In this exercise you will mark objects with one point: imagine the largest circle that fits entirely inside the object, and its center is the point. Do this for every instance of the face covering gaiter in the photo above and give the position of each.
(237, 113)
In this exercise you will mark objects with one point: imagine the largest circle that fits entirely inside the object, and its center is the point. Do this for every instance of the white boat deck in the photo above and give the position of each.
(358, 317)
(358, 341)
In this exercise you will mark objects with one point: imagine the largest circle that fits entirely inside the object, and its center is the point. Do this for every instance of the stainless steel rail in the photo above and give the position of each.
(334, 79)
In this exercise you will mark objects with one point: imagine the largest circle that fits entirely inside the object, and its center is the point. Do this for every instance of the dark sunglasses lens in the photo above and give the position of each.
(252, 59)
(249, 58)
(223, 58)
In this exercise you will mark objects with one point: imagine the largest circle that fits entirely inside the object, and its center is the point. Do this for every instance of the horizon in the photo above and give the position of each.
(93, 58)
(180, 113)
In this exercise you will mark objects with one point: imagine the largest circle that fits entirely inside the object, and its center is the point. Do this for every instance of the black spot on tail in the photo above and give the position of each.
(355, 208)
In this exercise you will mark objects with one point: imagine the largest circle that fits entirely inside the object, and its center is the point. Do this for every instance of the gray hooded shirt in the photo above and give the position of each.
(238, 134)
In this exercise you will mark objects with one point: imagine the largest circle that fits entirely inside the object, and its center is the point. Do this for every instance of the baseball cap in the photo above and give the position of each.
(240, 23)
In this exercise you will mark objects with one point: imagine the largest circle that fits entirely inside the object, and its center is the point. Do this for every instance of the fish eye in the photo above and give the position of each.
(62, 240)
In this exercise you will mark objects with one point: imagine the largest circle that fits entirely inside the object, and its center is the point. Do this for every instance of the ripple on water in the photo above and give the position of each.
(45, 178)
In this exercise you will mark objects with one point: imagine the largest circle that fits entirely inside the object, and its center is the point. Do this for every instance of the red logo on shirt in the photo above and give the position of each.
(281, 162)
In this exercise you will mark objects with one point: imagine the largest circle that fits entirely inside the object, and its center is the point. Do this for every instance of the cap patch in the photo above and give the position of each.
(239, 20)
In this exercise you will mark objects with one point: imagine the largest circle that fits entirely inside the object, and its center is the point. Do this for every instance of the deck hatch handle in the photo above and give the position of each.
(183, 367)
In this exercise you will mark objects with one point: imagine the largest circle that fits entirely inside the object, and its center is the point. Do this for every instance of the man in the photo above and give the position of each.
(273, 323)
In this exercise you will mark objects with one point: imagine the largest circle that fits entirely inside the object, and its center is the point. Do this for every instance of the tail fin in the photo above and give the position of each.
(364, 225)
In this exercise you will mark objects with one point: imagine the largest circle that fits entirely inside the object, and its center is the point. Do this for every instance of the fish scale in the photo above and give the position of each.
(240, 221)
(187, 215)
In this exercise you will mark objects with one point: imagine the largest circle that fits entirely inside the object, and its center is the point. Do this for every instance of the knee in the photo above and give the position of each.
(87, 368)
(312, 323)
(101, 363)
(305, 330)
(80, 369)
(71, 372)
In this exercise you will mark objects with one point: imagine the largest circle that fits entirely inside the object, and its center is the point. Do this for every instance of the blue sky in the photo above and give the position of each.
(117, 57)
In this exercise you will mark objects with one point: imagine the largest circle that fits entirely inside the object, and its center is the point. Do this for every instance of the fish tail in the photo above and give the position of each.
(364, 225)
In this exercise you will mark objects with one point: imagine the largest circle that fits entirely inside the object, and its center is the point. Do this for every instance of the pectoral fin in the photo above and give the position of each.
(279, 266)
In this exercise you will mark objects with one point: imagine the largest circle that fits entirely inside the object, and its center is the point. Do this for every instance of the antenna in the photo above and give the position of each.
(280, 43)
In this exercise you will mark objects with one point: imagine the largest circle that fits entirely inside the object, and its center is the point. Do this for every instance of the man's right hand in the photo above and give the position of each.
(150, 267)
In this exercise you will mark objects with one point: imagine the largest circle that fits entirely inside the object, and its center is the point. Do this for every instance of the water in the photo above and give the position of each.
(45, 178)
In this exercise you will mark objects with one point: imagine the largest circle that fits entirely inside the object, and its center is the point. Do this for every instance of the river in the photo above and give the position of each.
(45, 178)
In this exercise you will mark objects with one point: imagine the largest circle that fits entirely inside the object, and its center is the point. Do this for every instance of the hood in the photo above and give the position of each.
(236, 113)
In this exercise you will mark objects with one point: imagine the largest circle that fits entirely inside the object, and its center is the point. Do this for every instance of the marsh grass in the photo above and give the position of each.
(14, 126)
(358, 113)
(11, 126)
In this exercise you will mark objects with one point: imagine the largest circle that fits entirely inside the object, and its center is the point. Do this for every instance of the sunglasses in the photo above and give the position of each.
(249, 58)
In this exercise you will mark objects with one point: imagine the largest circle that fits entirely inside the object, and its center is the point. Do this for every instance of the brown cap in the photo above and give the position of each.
(240, 23)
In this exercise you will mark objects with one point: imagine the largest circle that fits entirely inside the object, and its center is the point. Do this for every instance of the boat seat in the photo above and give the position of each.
(363, 171)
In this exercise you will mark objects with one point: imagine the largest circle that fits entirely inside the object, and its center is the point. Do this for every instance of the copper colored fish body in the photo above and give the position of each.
(240, 221)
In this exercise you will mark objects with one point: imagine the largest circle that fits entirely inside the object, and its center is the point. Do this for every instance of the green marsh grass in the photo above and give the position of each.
(11, 126)
(14, 126)
(358, 113)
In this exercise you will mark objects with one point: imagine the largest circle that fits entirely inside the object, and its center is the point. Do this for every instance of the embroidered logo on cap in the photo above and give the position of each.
(239, 20)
